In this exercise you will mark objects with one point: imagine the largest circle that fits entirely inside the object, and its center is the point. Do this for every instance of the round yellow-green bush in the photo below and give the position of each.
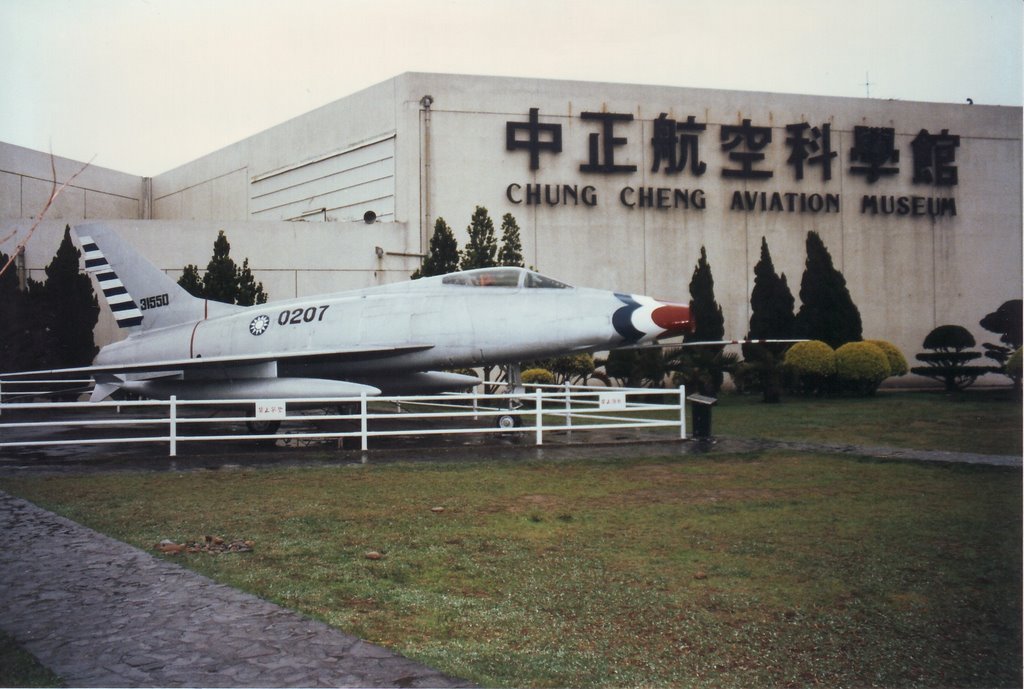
(812, 364)
(538, 376)
(812, 357)
(897, 362)
(861, 367)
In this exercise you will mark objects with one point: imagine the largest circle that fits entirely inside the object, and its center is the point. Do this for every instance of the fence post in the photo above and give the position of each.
(682, 412)
(540, 416)
(476, 405)
(362, 420)
(174, 425)
(568, 408)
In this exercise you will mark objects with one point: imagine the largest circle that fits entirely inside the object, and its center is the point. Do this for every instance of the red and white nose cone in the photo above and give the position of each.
(674, 319)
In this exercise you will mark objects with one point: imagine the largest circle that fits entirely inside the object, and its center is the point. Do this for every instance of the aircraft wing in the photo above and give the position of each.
(303, 357)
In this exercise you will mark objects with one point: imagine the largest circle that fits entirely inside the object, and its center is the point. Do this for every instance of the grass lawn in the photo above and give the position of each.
(19, 669)
(770, 569)
(983, 421)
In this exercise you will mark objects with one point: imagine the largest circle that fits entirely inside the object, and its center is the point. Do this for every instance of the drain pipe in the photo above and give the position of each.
(426, 102)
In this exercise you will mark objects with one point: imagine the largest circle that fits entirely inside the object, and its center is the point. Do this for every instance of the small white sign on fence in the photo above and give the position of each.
(611, 401)
(271, 410)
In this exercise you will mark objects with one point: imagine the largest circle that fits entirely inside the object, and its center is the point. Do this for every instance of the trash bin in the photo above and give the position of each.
(700, 413)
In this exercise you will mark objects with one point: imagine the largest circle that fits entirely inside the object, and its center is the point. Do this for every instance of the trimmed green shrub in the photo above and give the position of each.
(538, 376)
(861, 367)
(569, 368)
(812, 364)
(898, 365)
(746, 378)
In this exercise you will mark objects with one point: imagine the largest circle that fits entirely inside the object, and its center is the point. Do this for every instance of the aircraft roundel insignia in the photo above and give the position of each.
(259, 325)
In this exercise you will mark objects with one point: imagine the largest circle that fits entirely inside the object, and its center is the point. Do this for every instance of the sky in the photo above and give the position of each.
(143, 86)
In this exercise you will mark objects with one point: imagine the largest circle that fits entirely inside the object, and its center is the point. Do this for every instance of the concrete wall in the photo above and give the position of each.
(906, 273)
(231, 183)
(26, 181)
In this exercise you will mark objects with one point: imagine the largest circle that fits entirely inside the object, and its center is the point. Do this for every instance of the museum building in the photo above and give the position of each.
(613, 186)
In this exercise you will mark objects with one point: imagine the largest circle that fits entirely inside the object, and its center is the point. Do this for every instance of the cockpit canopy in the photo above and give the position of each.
(503, 277)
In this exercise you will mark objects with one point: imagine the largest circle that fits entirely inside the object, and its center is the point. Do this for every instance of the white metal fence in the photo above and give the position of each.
(538, 410)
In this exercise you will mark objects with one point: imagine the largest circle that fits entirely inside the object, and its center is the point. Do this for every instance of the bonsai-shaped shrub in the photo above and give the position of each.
(949, 359)
(538, 376)
(861, 367)
(897, 362)
(1014, 365)
(1006, 321)
(812, 364)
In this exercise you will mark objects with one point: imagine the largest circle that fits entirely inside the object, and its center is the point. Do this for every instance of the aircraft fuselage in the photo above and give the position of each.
(459, 325)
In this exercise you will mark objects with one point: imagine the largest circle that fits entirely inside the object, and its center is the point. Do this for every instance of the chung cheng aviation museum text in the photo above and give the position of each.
(675, 150)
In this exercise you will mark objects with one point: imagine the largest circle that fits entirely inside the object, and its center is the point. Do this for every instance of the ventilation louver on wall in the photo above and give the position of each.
(339, 187)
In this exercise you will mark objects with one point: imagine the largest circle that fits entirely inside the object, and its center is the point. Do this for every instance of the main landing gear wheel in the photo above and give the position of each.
(263, 427)
(508, 422)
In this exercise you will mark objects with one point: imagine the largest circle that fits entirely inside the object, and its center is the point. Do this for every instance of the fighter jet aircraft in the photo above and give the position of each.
(391, 339)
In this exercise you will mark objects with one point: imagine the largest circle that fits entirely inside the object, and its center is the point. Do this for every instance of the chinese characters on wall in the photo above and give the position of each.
(681, 149)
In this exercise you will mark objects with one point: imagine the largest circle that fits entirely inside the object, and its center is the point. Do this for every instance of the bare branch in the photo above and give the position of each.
(54, 193)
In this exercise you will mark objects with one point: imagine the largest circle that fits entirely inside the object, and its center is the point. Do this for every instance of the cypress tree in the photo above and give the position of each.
(220, 283)
(38, 347)
(249, 291)
(771, 317)
(710, 323)
(703, 368)
(16, 332)
(482, 247)
(224, 280)
(511, 253)
(827, 311)
(191, 281)
(443, 254)
(70, 308)
(771, 302)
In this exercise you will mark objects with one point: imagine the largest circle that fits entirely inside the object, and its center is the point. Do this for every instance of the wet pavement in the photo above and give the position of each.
(102, 613)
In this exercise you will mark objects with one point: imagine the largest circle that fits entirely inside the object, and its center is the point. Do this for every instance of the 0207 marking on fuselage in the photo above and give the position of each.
(302, 315)
(392, 338)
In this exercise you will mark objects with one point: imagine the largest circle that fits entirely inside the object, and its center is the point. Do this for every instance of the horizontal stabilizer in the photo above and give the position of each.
(106, 385)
